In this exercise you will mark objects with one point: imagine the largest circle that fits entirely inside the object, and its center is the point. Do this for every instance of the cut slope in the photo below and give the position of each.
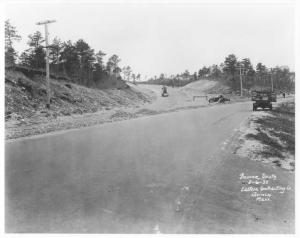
(202, 87)
(26, 96)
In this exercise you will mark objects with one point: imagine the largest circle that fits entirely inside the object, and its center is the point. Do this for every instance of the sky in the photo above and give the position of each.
(168, 37)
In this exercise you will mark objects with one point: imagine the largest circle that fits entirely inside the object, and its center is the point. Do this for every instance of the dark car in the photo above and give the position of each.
(164, 92)
(220, 99)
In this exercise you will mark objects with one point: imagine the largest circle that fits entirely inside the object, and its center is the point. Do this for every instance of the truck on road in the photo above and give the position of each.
(263, 99)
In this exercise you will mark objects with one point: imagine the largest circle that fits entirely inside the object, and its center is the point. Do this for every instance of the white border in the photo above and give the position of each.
(297, 70)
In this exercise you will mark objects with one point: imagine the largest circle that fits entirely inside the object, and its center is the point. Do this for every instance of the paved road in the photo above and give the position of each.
(169, 173)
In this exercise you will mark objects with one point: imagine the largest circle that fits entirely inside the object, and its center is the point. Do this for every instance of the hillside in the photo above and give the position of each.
(25, 97)
(206, 87)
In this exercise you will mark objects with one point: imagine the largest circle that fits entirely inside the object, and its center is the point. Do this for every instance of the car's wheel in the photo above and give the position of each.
(210, 100)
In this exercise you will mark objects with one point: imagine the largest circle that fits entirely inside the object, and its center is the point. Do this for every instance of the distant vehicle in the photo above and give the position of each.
(220, 99)
(263, 99)
(164, 92)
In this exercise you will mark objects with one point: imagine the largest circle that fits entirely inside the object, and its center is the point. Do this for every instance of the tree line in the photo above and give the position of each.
(86, 66)
(230, 72)
(76, 60)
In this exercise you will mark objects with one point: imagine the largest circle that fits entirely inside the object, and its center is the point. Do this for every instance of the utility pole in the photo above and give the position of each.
(241, 80)
(272, 84)
(80, 79)
(47, 58)
(173, 84)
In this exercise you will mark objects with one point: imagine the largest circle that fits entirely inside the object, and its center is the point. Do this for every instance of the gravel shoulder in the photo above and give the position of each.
(269, 136)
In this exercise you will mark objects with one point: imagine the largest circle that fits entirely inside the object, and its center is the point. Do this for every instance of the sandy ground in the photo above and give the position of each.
(251, 148)
(192, 95)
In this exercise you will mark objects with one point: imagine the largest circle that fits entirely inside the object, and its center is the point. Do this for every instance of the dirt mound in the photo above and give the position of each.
(202, 87)
(120, 114)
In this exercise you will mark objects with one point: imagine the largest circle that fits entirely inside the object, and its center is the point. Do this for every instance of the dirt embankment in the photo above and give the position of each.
(25, 99)
(26, 96)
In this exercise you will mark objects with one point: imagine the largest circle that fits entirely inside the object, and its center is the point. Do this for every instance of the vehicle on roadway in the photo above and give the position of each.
(164, 92)
(220, 99)
(263, 99)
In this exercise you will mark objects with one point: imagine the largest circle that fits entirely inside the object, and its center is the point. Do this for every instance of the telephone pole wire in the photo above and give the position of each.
(45, 23)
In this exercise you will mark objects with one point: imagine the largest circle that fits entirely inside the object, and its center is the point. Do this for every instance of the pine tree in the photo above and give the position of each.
(230, 64)
(112, 64)
(11, 35)
(55, 53)
(36, 52)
